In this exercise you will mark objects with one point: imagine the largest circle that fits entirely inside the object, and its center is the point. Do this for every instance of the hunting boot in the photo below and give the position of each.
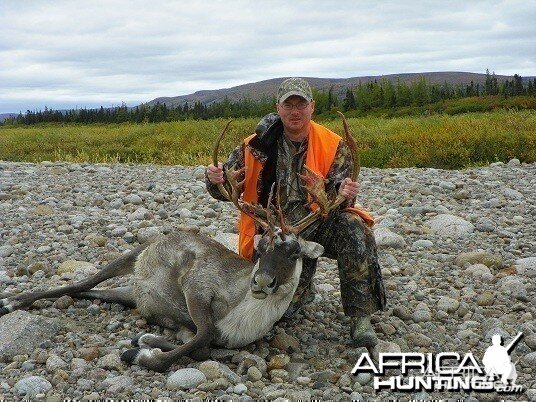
(362, 333)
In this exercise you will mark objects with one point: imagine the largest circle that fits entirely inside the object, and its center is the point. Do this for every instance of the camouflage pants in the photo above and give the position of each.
(349, 241)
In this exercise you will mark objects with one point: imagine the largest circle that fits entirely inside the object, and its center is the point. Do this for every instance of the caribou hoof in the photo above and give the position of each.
(130, 356)
(148, 358)
(142, 340)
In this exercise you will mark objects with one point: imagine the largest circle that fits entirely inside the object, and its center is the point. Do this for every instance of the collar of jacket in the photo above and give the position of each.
(263, 144)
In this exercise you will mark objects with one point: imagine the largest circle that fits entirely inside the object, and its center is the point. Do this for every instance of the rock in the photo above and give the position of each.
(22, 332)
(529, 360)
(43, 210)
(31, 386)
(133, 199)
(140, 214)
(71, 266)
(526, 266)
(254, 374)
(418, 340)
(148, 234)
(240, 389)
(447, 225)
(89, 353)
(479, 257)
(96, 239)
(325, 287)
(6, 251)
(278, 362)
(110, 361)
(486, 298)
(285, 342)
(386, 238)
(211, 369)
(513, 194)
(63, 302)
(229, 240)
(55, 362)
(402, 313)
(185, 378)
(478, 270)
(448, 304)
(118, 384)
(423, 244)
(421, 316)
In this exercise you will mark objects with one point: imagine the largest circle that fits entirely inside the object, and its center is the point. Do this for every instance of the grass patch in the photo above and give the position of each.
(437, 140)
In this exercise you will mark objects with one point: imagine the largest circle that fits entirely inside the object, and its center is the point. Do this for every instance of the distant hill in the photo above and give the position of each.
(4, 116)
(268, 88)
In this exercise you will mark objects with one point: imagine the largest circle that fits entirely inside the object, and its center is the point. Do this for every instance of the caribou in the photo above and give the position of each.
(197, 287)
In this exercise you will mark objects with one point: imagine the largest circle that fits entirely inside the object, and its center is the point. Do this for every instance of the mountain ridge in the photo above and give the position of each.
(268, 88)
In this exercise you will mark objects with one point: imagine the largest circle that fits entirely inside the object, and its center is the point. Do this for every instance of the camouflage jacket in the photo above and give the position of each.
(282, 160)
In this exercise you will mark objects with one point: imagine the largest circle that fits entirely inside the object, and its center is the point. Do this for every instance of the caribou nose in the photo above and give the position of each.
(263, 281)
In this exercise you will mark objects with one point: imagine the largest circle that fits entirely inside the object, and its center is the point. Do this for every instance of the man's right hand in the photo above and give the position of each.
(215, 174)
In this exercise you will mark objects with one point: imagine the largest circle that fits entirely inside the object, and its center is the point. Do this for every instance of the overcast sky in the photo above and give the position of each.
(90, 53)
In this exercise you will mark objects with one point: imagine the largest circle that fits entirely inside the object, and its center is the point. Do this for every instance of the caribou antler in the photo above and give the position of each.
(259, 214)
(314, 184)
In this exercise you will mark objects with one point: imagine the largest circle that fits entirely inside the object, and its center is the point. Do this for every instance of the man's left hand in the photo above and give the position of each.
(349, 189)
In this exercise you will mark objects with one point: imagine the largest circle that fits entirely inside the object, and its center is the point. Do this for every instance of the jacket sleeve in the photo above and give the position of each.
(236, 159)
(341, 168)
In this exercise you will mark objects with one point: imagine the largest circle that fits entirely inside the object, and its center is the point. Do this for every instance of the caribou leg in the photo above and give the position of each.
(158, 359)
(122, 295)
(124, 265)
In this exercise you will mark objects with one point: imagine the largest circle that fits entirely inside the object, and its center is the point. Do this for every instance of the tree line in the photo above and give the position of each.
(363, 97)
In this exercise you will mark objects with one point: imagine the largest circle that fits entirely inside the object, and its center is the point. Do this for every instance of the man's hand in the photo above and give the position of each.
(215, 174)
(349, 189)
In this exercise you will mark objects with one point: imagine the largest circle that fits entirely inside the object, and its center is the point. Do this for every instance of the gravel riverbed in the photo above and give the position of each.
(457, 249)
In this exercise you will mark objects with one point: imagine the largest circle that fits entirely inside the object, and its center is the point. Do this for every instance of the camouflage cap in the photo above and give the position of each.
(294, 86)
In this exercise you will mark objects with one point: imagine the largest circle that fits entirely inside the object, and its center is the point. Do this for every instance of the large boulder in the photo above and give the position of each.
(447, 225)
(21, 333)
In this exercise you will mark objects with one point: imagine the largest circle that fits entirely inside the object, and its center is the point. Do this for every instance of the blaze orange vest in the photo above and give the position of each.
(321, 149)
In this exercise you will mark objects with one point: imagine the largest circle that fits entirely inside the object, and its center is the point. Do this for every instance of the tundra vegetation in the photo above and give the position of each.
(435, 140)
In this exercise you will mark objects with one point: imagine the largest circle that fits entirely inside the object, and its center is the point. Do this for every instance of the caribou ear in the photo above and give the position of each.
(256, 239)
(310, 248)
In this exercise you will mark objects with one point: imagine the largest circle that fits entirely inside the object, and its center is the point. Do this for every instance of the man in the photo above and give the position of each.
(282, 144)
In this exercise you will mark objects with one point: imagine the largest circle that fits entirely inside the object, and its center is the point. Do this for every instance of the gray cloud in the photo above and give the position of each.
(63, 53)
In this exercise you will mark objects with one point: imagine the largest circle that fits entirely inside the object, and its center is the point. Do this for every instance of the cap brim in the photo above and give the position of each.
(295, 93)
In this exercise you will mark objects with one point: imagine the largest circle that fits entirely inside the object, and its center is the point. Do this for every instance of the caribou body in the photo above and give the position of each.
(194, 285)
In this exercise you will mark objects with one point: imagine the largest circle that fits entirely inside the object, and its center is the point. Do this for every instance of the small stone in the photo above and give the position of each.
(6, 251)
(419, 340)
(71, 266)
(254, 374)
(303, 380)
(240, 389)
(63, 302)
(285, 342)
(185, 378)
(110, 362)
(54, 362)
(133, 199)
(32, 386)
(278, 362)
(402, 313)
(485, 299)
(211, 369)
(43, 210)
(448, 304)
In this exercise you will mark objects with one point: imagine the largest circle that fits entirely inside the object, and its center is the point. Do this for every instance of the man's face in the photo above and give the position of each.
(296, 114)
